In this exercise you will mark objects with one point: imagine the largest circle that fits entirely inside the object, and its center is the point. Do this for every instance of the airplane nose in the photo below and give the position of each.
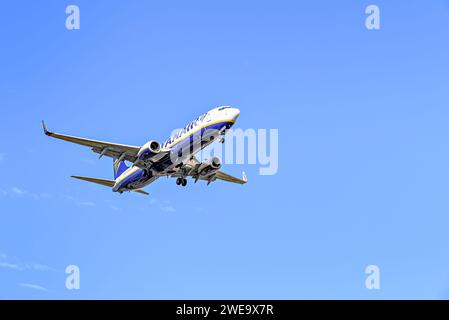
(235, 113)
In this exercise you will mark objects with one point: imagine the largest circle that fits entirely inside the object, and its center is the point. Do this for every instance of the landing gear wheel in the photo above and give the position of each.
(178, 181)
(184, 182)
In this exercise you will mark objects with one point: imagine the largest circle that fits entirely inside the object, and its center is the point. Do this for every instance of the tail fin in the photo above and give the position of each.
(119, 168)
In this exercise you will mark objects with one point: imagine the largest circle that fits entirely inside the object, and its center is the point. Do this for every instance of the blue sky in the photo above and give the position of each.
(363, 149)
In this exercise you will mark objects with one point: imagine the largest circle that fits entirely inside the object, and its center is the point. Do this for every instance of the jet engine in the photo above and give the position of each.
(209, 166)
(149, 150)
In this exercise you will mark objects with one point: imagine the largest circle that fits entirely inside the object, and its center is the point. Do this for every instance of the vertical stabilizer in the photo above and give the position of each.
(119, 168)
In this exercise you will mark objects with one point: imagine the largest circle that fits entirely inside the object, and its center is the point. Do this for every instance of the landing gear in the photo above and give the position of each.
(181, 181)
(223, 133)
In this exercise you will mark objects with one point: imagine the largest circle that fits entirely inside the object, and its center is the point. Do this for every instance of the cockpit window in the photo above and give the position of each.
(222, 108)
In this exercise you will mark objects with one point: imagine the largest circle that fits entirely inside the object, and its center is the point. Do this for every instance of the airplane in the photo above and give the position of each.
(174, 158)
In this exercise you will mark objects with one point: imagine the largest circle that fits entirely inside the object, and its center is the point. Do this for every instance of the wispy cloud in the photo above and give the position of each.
(22, 266)
(2, 156)
(69, 197)
(167, 208)
(165, 205)
(8, 265)
(32, 286)
(78, 202)
(20, 192)
(15, 264)
(86, 204)
(18, 266)
(41, 267)
(200, 209)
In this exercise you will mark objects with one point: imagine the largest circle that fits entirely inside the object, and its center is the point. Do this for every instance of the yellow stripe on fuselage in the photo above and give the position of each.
(126, 174)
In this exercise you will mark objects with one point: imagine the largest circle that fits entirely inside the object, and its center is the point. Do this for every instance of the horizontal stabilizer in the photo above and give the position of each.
(104, 182)
(107, 183)
(141, 191)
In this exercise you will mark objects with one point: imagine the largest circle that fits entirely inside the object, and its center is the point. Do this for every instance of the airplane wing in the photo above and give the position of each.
(113, 150)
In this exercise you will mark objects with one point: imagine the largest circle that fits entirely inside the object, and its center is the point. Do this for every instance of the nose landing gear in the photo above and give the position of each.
(181, 181)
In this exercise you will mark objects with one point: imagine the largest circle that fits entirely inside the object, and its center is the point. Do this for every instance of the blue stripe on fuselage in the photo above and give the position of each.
(132, 178)
(187, 142)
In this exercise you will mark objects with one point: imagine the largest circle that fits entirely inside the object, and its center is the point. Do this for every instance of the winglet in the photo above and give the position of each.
(244, 177)
(48, 133)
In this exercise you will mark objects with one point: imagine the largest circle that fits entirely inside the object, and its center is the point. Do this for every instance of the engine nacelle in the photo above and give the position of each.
(149, 150)
(210, 166)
